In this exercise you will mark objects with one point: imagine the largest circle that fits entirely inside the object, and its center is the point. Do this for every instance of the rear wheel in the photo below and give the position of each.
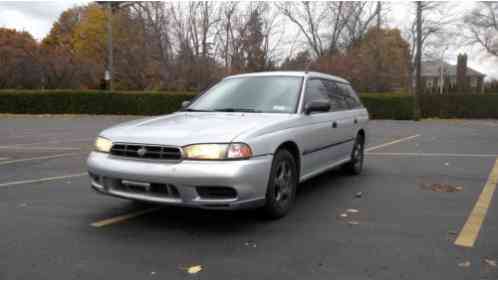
(282, 185)
(355, 165)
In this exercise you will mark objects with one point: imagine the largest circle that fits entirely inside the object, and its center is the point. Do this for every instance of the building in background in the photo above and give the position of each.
(441, 77)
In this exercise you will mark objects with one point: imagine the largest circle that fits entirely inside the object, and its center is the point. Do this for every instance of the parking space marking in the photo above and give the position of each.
(470, 231)
(125, 217)
(5, 184)
(13, 148)
(391, 143)
(39, 158)
(37, 135)
(433, 154)
(50, 142)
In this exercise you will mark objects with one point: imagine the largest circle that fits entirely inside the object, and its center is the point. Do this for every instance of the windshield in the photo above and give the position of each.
(269, 94)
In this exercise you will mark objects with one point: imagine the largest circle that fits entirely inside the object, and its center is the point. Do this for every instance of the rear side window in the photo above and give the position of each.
(338, 102)
(350, 96)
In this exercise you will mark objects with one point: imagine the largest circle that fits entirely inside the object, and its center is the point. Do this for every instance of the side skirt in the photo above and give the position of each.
(324, 169)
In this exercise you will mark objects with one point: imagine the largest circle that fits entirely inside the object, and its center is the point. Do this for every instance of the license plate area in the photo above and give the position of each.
(148, 188)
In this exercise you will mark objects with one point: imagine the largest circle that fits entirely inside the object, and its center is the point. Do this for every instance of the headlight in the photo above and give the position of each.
(213, 151)
(103, 145)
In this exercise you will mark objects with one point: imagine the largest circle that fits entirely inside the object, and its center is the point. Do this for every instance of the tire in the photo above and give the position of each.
(282, 185)
(355, 166)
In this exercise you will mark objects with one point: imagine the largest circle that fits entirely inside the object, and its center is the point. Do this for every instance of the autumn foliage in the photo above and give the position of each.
(187, 46)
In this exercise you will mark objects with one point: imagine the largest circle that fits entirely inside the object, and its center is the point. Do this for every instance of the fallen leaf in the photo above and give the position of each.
(352, 211)
(446, 164)
(464, 264)
(490, 262)
(250, 244)
(438, 187)
(358, 194)
(194, 269)
(153, 273)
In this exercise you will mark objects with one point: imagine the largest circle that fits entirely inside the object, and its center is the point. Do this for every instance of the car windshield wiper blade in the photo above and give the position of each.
(196, 110)
(230, 109)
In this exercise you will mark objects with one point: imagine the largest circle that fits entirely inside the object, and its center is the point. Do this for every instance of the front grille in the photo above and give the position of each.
(146, 151)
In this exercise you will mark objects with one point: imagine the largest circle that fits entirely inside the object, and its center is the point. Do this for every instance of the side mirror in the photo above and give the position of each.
(317, 106)
(185, 103)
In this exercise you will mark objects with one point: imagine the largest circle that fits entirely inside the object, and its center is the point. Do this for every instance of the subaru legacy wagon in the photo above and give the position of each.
(246, 142)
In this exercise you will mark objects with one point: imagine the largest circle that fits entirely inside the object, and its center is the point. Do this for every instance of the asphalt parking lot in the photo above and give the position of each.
(423, 208)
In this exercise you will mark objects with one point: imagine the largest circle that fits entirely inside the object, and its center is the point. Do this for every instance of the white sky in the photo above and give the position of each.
(37, 18)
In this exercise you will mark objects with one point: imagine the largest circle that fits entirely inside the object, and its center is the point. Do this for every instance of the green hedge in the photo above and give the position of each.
(388, 106)
(91, 102)
(380, 105)
(460, 106)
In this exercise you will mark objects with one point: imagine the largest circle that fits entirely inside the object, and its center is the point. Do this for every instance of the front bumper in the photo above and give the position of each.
(248, 178)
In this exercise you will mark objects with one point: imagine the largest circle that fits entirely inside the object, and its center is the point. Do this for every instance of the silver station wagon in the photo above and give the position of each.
(246, 142)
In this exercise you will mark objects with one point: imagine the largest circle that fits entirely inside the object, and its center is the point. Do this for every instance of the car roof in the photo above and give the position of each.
(291, 73)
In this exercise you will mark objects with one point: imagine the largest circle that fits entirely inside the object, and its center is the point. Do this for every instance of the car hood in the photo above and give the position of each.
(184, 128)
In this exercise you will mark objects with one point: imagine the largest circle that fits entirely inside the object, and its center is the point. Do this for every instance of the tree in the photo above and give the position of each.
(482, 23)
(437, 20)
(311, 19)
(329, 27)
(360, 65)
(18, 60)
(299, 62)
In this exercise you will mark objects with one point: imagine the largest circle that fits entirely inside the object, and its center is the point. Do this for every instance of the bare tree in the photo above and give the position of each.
(310, 18)
(358, 16)
(482, 23)
(156, 18)
(437, 20)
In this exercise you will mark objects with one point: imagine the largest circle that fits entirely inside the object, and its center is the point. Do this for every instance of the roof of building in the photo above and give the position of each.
(432, 68)
(292, 73)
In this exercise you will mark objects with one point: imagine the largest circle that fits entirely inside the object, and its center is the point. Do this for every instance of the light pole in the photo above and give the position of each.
(418, 64)
(110, 7)
(109, 75)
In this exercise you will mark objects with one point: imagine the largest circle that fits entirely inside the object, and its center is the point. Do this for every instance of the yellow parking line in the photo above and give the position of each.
(122, 218)
(470, 231)
(391, 143)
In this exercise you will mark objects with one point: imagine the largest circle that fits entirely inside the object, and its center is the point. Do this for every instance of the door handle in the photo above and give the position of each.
(356, 121)
(334, 124)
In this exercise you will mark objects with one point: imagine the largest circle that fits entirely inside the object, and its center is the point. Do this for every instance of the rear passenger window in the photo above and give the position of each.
(350, 96)
(338, 102)
(337, 94)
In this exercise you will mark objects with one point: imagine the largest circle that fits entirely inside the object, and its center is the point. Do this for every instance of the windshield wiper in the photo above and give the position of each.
(195, 110)
(230, 109)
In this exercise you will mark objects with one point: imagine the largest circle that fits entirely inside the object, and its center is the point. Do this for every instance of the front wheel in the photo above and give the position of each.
(282, 185)
(355, 165)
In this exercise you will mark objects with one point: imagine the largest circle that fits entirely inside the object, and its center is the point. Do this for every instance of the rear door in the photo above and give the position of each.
(343, 121)
(358, 112)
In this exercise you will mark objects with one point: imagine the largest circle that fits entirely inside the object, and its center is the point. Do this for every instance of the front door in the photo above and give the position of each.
(324, 130)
